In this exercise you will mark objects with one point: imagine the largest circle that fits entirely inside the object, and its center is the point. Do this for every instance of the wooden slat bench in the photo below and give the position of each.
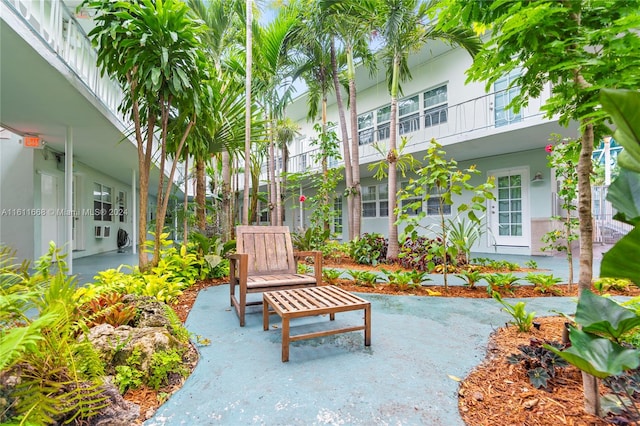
(310, 301)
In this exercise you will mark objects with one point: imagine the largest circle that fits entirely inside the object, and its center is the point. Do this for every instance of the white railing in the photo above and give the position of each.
(467, 120)
(58, 27)
(606, 229)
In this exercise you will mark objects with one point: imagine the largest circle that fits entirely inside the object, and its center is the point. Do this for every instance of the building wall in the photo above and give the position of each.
(16, 195)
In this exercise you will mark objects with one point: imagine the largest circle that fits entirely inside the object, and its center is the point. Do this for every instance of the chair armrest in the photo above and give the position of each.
(317, 263)
(238, 267)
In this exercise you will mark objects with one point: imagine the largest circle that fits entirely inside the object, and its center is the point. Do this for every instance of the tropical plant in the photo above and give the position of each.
(574, 61)
(499, 282)
(531, 264)
(471, 277)
(540, 363)
(331, 276)
(401, 280)
(521, 318)
(312, 238)
(441, 180)
(57, 372)
(623, 106)
(363, 278)
(544, 283)
(596, 346)
(369, 249)
(602, 285)
(463, 234)
(563, 158)
(153, 50)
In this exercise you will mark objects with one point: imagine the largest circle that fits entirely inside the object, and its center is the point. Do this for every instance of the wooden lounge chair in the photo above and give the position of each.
(265, 261)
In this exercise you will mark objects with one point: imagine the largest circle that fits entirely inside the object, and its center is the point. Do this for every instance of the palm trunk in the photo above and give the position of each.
(201, 198)
(247, 124)
(346, 154)
(185, 207)
(355, 149)
(325, 168)
(226, 216)
(394, 247)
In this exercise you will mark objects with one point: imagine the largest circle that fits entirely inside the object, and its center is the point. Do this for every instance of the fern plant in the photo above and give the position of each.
(60, 373)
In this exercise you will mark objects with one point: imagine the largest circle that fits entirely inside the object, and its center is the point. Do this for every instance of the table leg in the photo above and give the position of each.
(367, 325)
(285, 339)
(265, 315)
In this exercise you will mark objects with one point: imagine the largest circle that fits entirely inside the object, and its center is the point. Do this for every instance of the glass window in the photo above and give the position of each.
(435, 96)
(383, 119)
(102, 204)
(365, 128)
(384, 114)
(408, 106)
(436, 106)
(337, 216)
(122, 206)
(406, 202)
(504, 94)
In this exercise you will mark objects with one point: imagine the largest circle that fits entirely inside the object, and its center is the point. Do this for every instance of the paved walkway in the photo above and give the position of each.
(406, 377)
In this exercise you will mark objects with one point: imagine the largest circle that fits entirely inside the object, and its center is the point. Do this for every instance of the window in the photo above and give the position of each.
(504, 94)
(122, 206)
(375, 201)
(406, 202)
(408, 111)
(433, 203)
(369, 201)
(337, 217)
(264, 211)
(383, 120)
(365, 128)
(102, 205)
(436, 106)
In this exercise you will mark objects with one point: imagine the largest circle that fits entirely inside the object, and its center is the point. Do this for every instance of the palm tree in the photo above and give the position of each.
(350, 21)
(403, 27)
(154, 51)
(223, 40)
(272, 87)
(312, 59)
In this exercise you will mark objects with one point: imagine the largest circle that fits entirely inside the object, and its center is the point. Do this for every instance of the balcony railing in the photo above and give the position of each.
(467, 120)
(58, 27)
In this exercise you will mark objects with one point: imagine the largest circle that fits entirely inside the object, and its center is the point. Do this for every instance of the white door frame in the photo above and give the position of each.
(494, 239)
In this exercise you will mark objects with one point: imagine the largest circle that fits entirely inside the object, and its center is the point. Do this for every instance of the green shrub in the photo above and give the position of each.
(369, 249)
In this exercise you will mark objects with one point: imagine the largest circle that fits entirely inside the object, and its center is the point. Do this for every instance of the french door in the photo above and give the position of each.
(509, 219)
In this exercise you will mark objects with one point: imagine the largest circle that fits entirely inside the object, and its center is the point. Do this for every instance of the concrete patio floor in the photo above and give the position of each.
(420, 345)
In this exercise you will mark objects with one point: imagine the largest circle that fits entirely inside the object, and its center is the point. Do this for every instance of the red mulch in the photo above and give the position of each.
(495, 393)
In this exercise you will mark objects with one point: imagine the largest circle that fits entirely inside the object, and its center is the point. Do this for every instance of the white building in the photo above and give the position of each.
(77, 185)
(474, 128)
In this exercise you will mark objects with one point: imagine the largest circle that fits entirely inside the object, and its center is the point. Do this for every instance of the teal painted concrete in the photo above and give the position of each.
(403, 378)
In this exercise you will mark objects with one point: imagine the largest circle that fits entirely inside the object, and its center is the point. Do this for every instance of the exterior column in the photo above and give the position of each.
(69, 217)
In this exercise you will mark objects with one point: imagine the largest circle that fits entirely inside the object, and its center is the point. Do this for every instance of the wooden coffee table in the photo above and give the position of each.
(311, 301)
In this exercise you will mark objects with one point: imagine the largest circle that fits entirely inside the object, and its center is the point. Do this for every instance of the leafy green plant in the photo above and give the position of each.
(521, 318)
(213, 250)
(60, 372)
(312, 238)
(471, 277)
(441, 179)
(563, 158)
(363, 278)
(331, 276)
(540, 363)
(531, 264)
(401, 280)
(500, 282)
(418, 277)
(369, 249)
(463, 234)
(163, 364)
(334, 250)
(503, 265)
(108, 309)
(602, 285)
(303, 268)
(544, 283)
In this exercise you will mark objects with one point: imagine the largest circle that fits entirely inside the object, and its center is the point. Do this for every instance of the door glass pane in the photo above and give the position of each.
(510, 205)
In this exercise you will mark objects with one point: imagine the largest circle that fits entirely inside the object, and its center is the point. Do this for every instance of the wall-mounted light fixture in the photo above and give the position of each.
(537, 177)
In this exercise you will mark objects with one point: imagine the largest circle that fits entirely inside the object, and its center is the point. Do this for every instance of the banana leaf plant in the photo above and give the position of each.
(624, 193)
